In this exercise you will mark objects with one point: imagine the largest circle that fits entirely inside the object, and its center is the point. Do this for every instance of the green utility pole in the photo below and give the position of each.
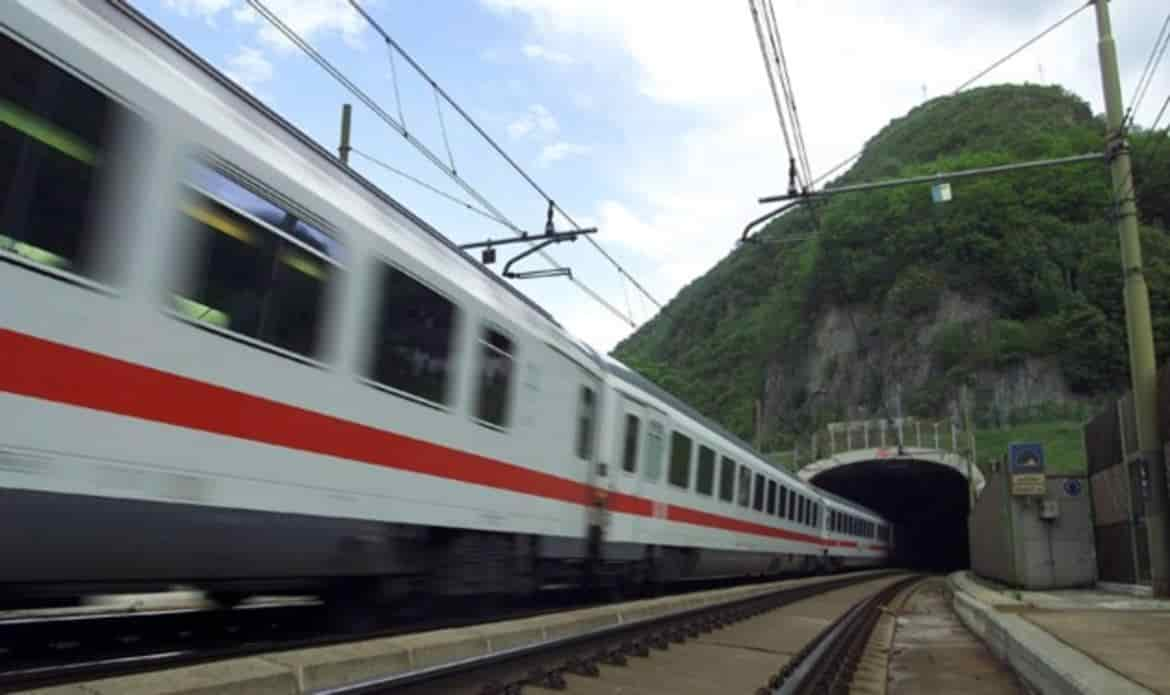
(1142, 368)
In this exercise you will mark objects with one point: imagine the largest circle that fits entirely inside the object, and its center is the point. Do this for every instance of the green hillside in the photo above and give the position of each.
(1037, 246)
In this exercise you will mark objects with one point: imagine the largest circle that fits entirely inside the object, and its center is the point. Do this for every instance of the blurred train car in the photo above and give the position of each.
(228, 361)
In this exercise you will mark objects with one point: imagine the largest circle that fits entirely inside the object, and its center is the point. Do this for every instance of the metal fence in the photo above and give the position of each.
(943, 434)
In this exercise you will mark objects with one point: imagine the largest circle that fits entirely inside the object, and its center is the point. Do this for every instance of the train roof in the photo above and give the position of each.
(844, 502)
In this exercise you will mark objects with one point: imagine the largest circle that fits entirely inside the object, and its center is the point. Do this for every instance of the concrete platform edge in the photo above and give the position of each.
(1046, 664)
(1138, 590)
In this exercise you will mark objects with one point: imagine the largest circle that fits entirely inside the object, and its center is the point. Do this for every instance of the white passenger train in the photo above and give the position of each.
(228, 361)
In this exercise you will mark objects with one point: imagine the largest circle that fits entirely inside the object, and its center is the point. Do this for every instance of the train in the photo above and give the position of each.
(228, 361)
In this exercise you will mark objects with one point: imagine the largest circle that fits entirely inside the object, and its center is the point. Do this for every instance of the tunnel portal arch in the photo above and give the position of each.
(926, 493)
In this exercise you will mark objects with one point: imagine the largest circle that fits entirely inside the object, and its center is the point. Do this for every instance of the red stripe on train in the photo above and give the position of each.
(55, 372)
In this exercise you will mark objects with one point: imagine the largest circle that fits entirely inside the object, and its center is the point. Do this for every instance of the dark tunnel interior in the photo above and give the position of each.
(927, 503)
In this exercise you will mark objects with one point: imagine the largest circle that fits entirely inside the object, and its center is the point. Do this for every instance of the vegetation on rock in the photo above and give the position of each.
(1038, 246)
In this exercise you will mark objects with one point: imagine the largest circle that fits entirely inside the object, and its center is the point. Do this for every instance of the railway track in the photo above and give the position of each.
(48, 650)
(696, 651)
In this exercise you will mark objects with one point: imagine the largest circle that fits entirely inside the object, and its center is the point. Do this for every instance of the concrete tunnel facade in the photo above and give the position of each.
(924, 492)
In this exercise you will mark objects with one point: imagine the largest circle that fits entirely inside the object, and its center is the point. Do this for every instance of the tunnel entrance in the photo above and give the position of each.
(928, 504)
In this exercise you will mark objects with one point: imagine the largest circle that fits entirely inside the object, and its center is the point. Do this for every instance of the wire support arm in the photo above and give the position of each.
(764, 218)
(557, 237)
(932, 178)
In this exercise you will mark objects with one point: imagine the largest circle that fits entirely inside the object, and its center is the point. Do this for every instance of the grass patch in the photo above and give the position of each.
(1063, 447)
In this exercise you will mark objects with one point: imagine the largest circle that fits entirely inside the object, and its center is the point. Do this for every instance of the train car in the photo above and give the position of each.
(860, 537)
(228, 361)
(697, 500)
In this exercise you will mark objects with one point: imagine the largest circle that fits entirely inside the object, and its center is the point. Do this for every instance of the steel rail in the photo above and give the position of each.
(827, 663)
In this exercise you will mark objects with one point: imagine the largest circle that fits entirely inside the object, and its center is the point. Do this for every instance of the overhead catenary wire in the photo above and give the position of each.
(370, 103)
(394, 79)
(443, 127)
(789, 91)
(433, 189)
(771, 80)
(495, 146)
(770, 29)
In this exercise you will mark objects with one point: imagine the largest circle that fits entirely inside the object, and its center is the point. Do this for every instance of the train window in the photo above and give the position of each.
(652, 466)
(803, 511)
(744, 486)
(680, 460)
(817, 515)
(495, 377)
(726, 479)
(792, 505)
(758, 496)
(54, 133)
(249, 277)
(705, 476)
(630, 449)
(586, 414)
(771, 496)
(780, 508)
(414, 331)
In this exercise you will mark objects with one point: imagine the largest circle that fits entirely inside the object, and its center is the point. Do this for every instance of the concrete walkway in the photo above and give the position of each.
(1075, 641)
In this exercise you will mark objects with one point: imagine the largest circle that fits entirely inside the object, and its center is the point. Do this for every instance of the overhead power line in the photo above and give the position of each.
(440, 92)
(1022, 47)
(370, 103)
(1151, 67)
(979, 75)
(1158, 118)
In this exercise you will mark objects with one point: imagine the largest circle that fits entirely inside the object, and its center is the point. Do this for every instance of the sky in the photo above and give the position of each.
(649, 119)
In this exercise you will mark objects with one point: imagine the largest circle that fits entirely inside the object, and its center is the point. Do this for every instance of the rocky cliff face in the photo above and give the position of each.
(859, 357)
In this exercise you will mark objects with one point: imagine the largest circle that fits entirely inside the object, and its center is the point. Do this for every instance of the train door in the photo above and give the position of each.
(629, 426)
(588, 394)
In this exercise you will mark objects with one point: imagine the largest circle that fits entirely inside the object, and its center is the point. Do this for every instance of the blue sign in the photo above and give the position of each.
(1025, 458)
(1072, 487)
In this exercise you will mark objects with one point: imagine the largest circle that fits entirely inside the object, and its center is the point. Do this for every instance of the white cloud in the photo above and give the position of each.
(539, 52)
(560, 150)
(583, 101)
(249, 67)
(206, 8)
(537, 120)
(308, 18)
(682, 201)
